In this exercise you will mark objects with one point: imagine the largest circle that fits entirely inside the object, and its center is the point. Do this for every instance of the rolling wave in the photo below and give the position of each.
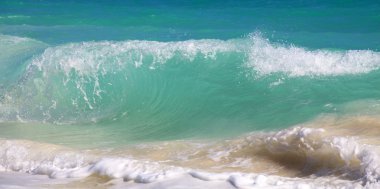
(129, 80)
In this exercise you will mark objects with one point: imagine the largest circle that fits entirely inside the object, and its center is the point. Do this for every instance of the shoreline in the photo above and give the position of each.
(19, 180)
(9, 180)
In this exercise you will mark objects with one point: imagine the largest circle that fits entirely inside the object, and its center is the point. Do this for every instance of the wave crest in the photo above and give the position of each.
(268, 58)
(94, 81)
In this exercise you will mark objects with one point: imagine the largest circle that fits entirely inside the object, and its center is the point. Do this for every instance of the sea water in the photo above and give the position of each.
(244, 93)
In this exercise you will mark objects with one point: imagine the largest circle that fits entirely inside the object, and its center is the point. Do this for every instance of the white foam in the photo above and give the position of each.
(267, 58)
(92, 58)
(58, 162)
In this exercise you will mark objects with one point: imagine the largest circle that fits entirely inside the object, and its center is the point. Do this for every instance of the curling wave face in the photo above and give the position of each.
(187, 83)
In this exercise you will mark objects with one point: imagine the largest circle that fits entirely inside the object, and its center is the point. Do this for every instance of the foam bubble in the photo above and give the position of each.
(267, 58)
(333, 161)
(263, 56)
(90, 58)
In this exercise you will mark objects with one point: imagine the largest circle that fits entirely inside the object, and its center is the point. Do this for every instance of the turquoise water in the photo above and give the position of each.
(313, 24)
(169, 70)
(236, 94)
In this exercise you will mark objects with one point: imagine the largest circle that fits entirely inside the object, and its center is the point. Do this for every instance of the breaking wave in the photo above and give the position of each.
(104, 81)
(338, 156)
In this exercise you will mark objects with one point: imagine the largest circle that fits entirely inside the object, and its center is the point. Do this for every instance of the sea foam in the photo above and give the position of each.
(337, 161)
(267, 58)
(259, 54)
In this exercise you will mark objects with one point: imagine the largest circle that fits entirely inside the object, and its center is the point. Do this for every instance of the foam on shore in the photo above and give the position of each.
(298, 156)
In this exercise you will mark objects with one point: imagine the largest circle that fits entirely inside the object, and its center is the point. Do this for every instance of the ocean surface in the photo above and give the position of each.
(250, 94)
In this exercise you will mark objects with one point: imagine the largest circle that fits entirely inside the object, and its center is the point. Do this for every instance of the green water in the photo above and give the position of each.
(130, 91)
(103, 73)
